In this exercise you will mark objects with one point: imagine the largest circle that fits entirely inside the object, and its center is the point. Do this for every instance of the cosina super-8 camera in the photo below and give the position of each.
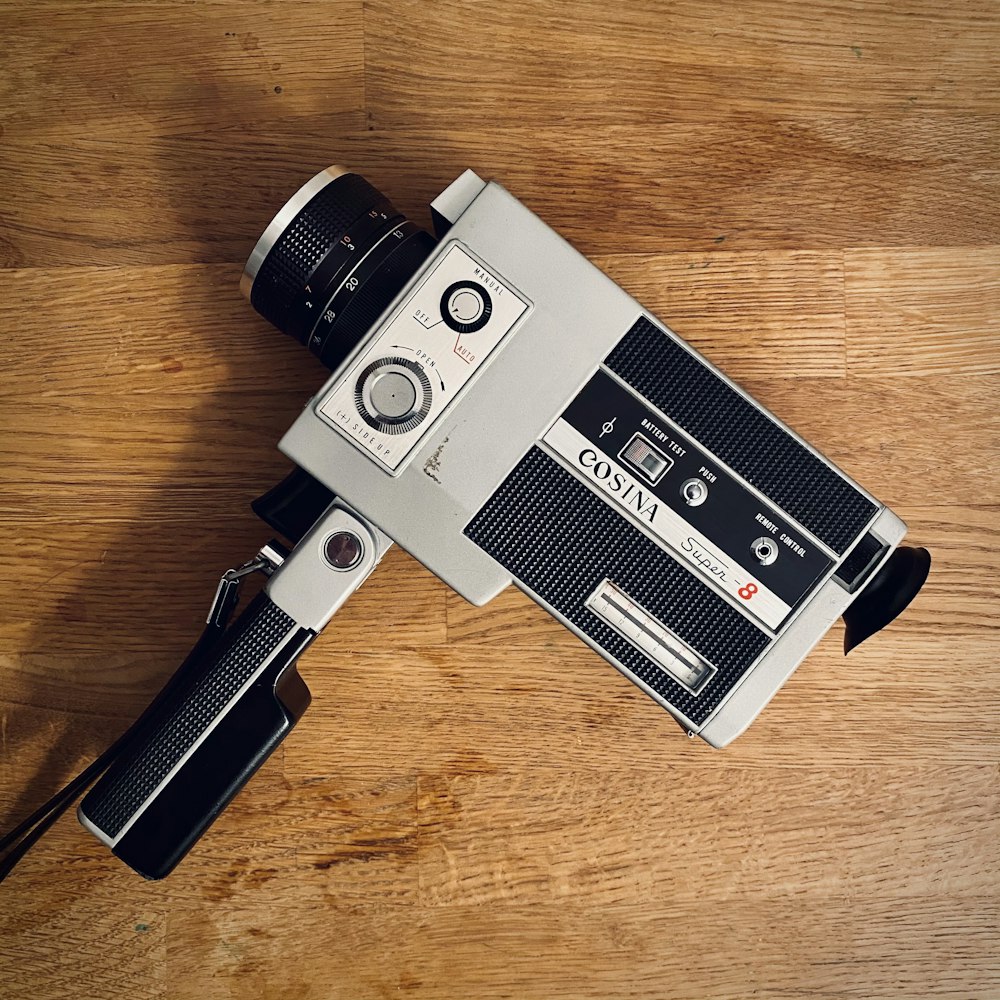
(507, 414)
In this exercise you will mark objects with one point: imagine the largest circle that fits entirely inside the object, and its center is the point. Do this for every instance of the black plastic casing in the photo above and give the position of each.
(195, 753)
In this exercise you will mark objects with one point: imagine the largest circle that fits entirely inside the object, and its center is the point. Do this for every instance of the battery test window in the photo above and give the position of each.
(645, 458)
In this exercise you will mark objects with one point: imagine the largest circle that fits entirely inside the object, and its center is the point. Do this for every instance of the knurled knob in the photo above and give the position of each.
(393, 395)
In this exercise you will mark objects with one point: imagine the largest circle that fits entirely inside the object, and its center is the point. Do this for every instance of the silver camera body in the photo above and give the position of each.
(515, 417)
(508, 415)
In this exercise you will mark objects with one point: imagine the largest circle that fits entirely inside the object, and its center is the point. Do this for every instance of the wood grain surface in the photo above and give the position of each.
(476, 806)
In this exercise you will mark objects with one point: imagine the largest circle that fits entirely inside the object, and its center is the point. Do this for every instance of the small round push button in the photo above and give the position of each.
(343, 550)
(694, 492)
(466, 306)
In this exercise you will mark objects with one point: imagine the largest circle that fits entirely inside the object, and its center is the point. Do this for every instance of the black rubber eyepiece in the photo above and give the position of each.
(887, 596)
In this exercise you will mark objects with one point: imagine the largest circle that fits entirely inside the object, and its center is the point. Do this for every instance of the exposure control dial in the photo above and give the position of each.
(393, 395)
(466, 306)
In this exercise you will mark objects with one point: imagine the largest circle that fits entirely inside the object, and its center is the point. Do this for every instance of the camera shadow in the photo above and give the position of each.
(172, 441)
(180, 431)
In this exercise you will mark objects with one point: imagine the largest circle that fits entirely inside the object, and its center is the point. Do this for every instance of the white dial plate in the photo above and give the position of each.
(418, 332)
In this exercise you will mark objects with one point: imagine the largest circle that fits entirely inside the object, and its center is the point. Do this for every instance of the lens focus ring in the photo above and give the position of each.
(306, 241)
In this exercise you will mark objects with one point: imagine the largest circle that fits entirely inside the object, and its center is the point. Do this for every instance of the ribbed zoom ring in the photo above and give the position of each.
(305, 242)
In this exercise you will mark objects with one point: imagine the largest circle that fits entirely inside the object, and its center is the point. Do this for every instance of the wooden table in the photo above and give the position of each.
(476, 806)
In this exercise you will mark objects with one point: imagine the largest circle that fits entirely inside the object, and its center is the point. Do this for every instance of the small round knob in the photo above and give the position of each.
(466, 306)
(393, 395)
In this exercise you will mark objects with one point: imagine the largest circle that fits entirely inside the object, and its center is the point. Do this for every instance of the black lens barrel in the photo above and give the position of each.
(305, 241)
(336, 265)
(333, 269)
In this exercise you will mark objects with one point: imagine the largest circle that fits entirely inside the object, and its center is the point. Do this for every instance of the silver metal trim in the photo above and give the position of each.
(458, 196)
(685, 723)
(674, 645)
(308, 588)
(272, 556)
(191, 750)
(88, 824)
(281, 221)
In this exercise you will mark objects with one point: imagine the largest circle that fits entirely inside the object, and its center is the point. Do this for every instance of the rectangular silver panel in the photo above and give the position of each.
(418, 332)
(629, 619)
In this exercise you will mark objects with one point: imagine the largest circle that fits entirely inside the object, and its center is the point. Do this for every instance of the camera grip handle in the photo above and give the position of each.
(198, 746)
(203, 743)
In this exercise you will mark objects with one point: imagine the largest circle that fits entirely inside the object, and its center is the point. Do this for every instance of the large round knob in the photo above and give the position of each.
(466, 306)
(393, 395)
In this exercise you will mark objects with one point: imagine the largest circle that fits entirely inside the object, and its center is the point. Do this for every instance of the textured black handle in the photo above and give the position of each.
(202, 744)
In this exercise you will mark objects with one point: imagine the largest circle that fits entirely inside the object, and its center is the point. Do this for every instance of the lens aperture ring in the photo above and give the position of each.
(331, 262)
(306, 241)
(353, 281)
(333, 269)
(387, 273)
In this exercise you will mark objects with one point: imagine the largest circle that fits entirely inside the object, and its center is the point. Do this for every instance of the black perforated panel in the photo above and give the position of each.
(561, 541)
(752, 444)
(170, 733)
